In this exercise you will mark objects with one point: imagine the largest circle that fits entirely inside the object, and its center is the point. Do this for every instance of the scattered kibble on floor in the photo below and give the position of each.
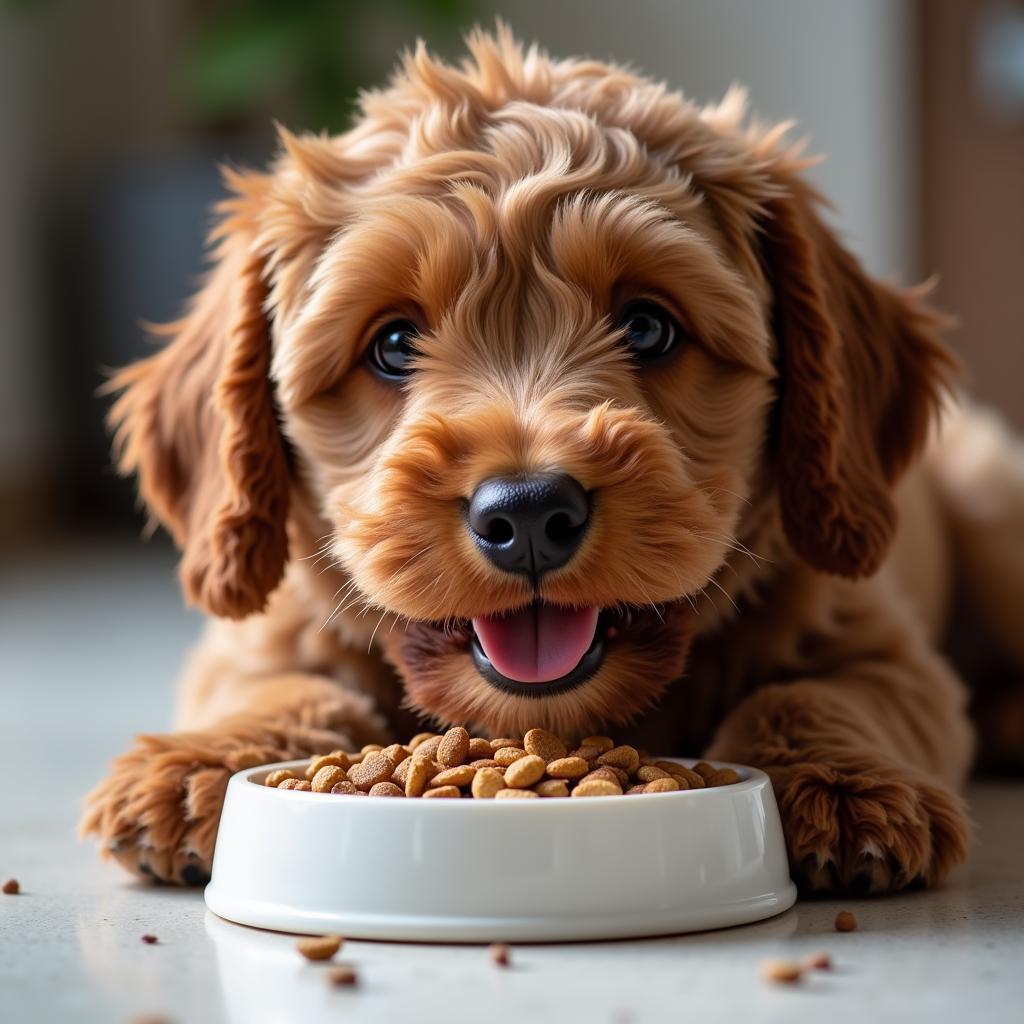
(343, 976)
(781, 972)
(846, 922)
(319, 947)
(500, 955)
(12, 887)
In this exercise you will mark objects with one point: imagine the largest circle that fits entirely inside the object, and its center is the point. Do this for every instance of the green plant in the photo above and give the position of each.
(302, 59)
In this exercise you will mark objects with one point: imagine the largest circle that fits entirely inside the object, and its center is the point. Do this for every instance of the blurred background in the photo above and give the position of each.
(115, 113)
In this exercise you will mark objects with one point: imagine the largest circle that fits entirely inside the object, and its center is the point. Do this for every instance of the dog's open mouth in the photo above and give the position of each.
(539, 650)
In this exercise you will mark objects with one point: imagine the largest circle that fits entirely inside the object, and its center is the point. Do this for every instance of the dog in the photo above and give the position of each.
(544, 397)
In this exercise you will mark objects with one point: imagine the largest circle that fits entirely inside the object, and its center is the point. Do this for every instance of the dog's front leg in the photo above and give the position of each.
(158, 810)
(866, 755)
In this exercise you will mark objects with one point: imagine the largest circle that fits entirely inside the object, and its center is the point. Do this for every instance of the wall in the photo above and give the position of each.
(840, 68)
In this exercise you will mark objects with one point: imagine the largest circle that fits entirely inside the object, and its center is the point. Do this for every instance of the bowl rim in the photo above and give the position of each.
(751, 778)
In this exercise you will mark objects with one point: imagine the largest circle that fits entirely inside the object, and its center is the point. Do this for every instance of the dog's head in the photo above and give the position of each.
(532, 344)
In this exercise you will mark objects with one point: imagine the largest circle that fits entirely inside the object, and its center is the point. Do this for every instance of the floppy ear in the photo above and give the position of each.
(197, 423)
(862, 372)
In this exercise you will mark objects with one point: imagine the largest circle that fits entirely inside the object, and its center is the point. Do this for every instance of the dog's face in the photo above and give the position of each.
(525, 355)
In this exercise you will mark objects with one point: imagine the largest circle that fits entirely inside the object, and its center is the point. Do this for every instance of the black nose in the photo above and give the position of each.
(529, 524)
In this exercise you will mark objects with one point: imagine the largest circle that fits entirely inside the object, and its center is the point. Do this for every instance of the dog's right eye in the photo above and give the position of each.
(392, 349)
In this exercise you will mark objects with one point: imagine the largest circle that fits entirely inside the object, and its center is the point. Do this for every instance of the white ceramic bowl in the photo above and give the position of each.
(486, 870)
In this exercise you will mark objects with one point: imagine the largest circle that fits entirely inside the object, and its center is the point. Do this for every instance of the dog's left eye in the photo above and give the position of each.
(392, 349)
(651, 332)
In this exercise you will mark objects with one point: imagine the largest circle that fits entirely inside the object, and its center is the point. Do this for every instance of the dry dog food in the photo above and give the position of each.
(150, 940)
(500, 955)
(817, 962)
(538, 765)
(343, 976)
(319, 947)
(782, 972)
(845, 921)
(11, 887)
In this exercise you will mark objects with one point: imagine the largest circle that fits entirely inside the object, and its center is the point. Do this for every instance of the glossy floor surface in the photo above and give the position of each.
(89, 645)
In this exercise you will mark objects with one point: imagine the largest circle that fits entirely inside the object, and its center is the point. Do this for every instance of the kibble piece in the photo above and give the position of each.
(568, 768)
(515, 794)
(422, 737)
(454, 747)
(505, 741)
(343, 976)
(724, 777)
(781, 972)
(597, 787)
(479, 747)
(346, 788)
(500, 955)
(552, 788)
(428, 748)
(650, 772)
(665, 785)
(401, 772)
(395, 753)
(386, 789)
(601, 743)
(690, 777)
(323, 761)
(704, 770)
(327, 778)
(543, 744)
(633, 790)
(275, 778)
(625, 757)
(817, 962)
(374, 768)
(299, 784)
(506, 755)
(484, 762)
(603, 773)
(149, 940)
(462, 775)
(12, 887)
(589, 754)
(443, 792)
(525, 771)
(487, 783)
(319, 947)
(845, 921)
(371, 748)
(417, 776)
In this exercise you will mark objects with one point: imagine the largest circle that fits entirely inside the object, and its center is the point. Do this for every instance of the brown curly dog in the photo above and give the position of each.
(542, 397)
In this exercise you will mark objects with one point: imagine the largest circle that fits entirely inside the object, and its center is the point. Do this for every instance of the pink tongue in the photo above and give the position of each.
(538, 643)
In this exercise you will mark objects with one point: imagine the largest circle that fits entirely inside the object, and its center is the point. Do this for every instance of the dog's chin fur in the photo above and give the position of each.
(640, 661)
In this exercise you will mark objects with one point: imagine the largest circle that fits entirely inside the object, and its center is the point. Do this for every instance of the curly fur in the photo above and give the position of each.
(509, 206)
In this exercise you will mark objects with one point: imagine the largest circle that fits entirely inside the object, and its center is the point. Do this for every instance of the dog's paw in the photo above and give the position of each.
(868, 831)
(157, 812)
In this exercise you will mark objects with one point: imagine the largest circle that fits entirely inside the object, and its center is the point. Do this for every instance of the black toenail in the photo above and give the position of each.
(192, 874)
